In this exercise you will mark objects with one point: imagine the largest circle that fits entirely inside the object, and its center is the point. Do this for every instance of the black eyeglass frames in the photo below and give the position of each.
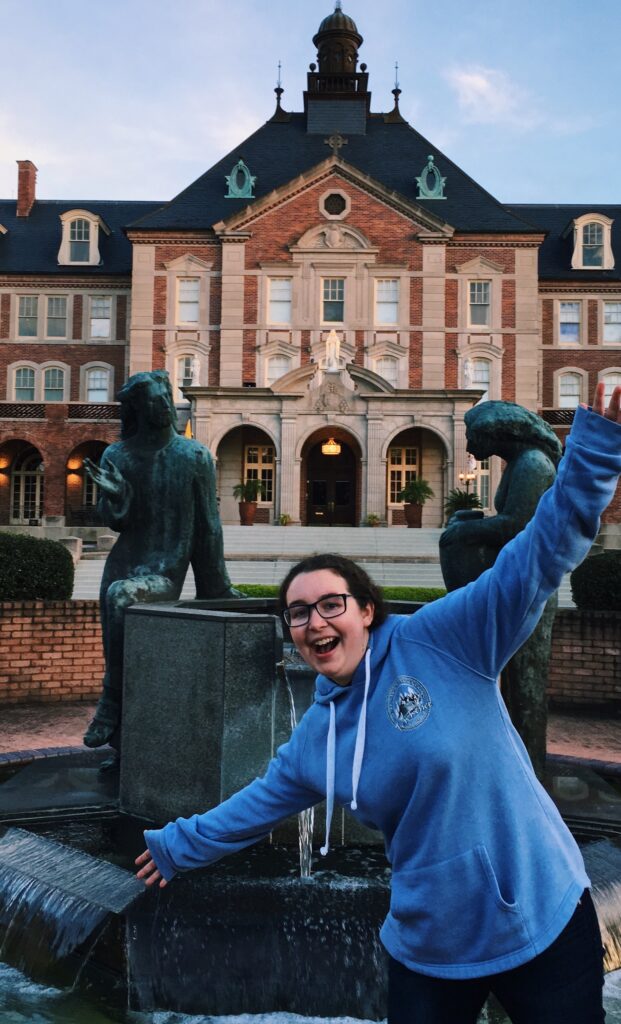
(329, 607)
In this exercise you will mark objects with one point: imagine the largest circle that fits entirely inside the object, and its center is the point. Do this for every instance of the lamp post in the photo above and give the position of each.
(467, 478)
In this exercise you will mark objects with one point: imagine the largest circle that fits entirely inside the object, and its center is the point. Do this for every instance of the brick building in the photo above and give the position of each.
(329, 299)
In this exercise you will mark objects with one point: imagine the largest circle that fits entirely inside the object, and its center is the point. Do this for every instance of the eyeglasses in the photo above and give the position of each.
(329, 607)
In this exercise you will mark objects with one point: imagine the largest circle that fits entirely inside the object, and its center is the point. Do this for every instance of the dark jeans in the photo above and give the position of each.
(563, 985)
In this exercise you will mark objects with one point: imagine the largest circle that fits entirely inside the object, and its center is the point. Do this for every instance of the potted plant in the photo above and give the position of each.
(414, 494)
(372, 519)
(458, 500)
(284, 519)
(247, 493)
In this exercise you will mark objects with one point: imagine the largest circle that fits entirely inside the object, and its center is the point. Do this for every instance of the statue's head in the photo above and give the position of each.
(146, 398)
(496, 428)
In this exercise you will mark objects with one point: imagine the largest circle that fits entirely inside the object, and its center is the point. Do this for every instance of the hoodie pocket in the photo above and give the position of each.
(453, 912)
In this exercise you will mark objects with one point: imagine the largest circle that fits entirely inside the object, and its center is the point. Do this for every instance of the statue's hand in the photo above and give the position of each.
(109, 480)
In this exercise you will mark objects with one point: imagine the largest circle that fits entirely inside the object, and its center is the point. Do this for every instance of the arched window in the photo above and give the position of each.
(24, 384)
(481, 370)
(388, 368)
(592, 245)
(186, 374)
(277, 366)
(611, 380)
(79, 240)
(569, 390)
(53, 384)
(98, 384)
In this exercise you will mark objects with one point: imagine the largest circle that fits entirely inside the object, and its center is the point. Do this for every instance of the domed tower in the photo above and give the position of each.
(337, 97)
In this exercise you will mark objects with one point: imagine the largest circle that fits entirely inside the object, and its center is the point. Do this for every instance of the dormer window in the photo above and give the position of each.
(592, 248)
(80, 238)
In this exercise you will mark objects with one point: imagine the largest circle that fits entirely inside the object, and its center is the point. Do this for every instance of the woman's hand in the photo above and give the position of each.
(613, 412)
(149, 871)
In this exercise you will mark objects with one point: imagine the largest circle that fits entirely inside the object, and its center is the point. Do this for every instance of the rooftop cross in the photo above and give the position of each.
(336, 142)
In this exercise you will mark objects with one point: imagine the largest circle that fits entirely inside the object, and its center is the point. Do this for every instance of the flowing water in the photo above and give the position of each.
(306, 819)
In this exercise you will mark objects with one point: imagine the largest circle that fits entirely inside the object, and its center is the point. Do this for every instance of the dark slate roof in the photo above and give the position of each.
(31, 243)
(556, 252)
(392, 153)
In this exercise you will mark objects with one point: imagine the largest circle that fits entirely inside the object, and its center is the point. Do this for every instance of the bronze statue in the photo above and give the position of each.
(158, 490)
(470, 544)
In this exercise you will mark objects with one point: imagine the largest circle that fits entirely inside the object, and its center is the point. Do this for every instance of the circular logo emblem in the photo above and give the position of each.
(408, 703)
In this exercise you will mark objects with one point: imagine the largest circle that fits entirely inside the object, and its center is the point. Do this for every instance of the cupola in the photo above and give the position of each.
(337, 97)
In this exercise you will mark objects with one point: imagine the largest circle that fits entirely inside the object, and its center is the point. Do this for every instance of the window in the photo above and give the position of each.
(333, 300)
(479, 305)
(481, 482)
(56, 316)
(27, 323)
(611, 380)
(277, 366)
(592, 245)
(481, 376)
(79, 241)
(187, 300)
(387, 301)
(569, 322)
(259, 465)
(570, 388)
(97, 385)
(101, 316)
(388, 368)
(402, 467)
(24, 384)
(612, 322)
(186, 375)
(279, 311)
(53, 384)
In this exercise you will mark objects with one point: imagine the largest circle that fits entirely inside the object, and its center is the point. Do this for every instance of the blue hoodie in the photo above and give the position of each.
(485, 874)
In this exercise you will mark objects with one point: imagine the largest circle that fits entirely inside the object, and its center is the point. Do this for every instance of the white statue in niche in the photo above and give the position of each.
(332, 362)
(195, 369)
(467, 372)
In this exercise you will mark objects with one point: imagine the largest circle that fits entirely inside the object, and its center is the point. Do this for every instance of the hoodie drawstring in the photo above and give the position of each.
(330, 777)
(361, 733)
(358, 754)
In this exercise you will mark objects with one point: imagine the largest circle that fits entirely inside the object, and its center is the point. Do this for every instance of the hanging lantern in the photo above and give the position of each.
(330, 447)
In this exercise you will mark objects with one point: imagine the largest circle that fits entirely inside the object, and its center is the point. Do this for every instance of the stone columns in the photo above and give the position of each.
(434, 273)
(376, 468)
(232, 310)
(289, 470)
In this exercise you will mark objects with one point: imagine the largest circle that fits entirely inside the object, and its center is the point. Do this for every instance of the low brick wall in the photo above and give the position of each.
(585, 664)
(50, 651)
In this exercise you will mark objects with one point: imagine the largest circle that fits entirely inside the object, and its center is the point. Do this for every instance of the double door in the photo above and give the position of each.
(331, 488)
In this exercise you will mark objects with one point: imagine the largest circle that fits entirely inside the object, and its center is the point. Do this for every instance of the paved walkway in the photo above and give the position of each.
(264, 554)
(38, 727)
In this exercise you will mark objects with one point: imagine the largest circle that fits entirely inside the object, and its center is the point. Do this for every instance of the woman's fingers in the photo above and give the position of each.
(614, 409)
(599, 400)
(148, 870)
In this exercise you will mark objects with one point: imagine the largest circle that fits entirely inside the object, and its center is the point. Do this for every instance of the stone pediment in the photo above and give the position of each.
(187, 264)
(332, 236)
(479, 265)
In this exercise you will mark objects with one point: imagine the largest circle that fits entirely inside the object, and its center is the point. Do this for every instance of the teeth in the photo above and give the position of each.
(325, 642)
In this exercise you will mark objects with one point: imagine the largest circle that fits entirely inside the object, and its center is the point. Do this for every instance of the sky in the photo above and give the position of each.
(134, 99)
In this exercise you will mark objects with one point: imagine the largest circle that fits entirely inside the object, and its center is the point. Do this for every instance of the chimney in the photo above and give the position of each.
(26, 187)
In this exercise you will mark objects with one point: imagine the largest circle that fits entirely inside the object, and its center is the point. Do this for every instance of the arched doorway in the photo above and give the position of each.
(246, 453)
(331, 483)
(27, 479)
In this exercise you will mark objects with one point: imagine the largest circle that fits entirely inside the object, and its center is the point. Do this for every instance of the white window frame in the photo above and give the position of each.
(380, 364)
(383, 304)
(92, 299)
(53, 368)
(566, 371)
(264, 469)
(406, 468)
(32, 369)
(84, 377)
(577, 260)
(182, 379)
(181, 303)
(49, 300)
(277, 305)
(605, 375)
(580, 322)
(95, 226)
(34, 300)
(338, 279)
(281, 358)
(616, 323)
(476, 287)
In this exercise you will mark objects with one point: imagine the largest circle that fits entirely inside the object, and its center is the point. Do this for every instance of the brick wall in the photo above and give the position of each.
(50, 651)
(585, 665)
(593, 360)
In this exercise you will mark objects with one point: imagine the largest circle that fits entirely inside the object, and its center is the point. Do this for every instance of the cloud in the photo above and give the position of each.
(488, 96)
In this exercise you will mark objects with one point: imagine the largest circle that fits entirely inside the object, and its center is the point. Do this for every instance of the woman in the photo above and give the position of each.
(489, 891)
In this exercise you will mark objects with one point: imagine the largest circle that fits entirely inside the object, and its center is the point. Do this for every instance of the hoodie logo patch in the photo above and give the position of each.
(408, 703)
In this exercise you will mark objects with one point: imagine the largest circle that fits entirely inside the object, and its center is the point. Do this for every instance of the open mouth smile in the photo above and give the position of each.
(325, 645)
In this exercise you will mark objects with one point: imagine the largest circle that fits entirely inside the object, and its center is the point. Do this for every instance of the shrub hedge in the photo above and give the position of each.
(32, 569)
(390, 593)
(596, 583)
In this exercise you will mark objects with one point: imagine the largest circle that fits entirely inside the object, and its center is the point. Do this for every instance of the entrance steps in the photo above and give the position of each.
(264, 554)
